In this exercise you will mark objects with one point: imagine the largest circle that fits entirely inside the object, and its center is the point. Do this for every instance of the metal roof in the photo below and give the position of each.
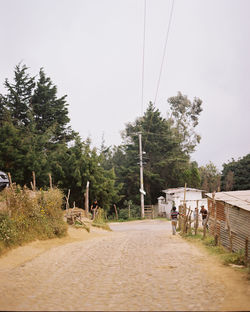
(180, 189)
(239, 199)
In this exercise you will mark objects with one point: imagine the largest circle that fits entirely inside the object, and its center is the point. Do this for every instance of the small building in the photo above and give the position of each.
(230, 218)
(175, 197)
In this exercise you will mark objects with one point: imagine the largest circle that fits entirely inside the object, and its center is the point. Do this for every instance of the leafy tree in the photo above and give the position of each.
(236, 174)
(210, 177)
(191, 176)
(83, 164)
(185, 117)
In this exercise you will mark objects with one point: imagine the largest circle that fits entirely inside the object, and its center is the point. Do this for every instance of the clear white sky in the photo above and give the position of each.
(92, 50)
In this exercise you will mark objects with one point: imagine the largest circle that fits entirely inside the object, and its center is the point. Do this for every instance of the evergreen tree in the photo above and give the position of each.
(18, 98)
(49, 111)
(163, 157)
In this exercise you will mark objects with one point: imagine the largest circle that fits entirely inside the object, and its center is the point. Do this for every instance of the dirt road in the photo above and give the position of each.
(139, 266)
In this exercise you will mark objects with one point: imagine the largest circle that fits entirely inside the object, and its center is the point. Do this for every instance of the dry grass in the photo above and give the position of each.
(27, 216)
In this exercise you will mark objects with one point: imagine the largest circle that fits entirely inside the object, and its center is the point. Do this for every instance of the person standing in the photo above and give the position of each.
(174, 218)
(94, 208)
(203, 212)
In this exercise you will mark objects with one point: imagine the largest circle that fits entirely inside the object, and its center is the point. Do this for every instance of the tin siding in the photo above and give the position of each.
(239, 220)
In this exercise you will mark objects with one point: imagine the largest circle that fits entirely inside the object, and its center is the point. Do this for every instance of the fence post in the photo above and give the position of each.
(246, 251)
(34, 181)
(10, 180)
(196, 217)
(50, 181)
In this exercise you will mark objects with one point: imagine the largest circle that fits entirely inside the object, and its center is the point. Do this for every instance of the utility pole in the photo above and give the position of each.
(141, 177)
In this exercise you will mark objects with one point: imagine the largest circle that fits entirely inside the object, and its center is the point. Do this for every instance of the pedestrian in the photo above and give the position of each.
(203, 212)
(94, 208)
(174, 218)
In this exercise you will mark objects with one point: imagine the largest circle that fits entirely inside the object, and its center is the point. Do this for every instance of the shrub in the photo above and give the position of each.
(30, 215)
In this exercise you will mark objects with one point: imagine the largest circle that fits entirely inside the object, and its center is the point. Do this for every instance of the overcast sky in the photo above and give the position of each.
(92, 50)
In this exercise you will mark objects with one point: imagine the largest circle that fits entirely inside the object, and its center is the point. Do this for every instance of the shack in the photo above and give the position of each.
(229, 219)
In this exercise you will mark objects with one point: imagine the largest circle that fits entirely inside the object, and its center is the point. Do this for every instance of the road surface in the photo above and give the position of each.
(139, 266)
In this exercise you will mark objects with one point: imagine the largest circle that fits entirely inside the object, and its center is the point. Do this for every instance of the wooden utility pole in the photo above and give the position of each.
(87, 199)
(141, 177)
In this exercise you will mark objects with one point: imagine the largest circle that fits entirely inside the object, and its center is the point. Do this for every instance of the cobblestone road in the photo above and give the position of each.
(138, 267)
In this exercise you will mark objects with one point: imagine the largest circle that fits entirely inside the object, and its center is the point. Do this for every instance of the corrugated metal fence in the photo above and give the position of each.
(231, 225)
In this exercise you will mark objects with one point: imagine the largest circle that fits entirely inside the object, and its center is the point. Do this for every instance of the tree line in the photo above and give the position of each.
(35, 135)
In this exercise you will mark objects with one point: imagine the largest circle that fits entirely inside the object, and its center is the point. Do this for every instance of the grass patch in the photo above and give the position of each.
(227, 257)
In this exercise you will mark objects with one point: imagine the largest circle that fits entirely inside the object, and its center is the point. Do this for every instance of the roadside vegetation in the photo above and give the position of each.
(26, 216)
(236, 259)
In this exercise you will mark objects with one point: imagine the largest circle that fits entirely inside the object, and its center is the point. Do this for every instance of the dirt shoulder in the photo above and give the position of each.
(22, 254)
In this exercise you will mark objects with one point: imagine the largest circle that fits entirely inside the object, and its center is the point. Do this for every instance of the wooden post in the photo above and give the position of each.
(196, 217)
(215, 215)
(34, 181)
(50, 181)
(184, 201)
(116, 214)
(246, 251)
(10, 180)
(67, 200)
(129, 211)
(87, 199)
(216, 239)
(229, 229)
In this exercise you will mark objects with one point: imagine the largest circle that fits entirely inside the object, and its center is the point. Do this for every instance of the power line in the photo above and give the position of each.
(162, 62)
(164, 51)
(143, 55)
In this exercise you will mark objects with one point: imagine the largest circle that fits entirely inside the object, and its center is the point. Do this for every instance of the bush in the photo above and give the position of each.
(30, 215)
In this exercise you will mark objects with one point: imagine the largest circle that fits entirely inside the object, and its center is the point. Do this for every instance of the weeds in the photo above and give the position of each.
(28, 215)
(100, 220)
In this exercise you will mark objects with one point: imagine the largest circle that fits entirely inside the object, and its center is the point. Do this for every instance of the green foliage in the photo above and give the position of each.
(30, 215)
(184, 117)
(35, 136)
(167, 162)
(236, 174)
(210, 177)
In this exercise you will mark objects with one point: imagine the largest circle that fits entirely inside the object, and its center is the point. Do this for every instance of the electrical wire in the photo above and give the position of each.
(162, 63)
(143, 55)
(164, 52)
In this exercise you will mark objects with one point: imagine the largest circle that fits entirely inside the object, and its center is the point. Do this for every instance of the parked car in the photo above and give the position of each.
(4, 180)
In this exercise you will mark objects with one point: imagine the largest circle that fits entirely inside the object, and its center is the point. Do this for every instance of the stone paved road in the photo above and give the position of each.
(138, 267)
